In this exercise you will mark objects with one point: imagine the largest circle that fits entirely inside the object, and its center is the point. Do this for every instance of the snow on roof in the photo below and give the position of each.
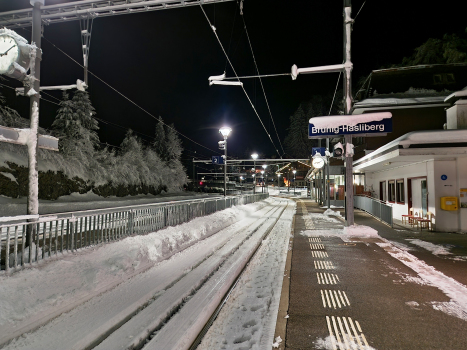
(395, 101)
(350, 120)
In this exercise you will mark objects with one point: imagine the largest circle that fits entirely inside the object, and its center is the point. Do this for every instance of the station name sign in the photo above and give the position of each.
(371, 124)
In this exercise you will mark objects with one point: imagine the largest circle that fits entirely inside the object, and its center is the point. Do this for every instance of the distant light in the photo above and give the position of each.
(225, 131)
(254, 155)
(294, 171)
(264, 166)
(201, 183)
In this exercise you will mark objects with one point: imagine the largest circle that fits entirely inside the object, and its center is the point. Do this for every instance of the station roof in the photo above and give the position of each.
(415, 147)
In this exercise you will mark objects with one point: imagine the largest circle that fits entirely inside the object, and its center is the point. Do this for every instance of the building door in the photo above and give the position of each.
(418, 195)
(424, 197)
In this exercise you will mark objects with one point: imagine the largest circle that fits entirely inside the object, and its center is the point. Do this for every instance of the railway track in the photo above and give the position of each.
(181, 297)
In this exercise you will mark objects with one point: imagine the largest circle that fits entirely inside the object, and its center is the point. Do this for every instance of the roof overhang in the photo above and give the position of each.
(413, 148)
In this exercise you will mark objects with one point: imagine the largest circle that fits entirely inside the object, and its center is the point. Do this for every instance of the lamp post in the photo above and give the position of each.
(278, 183)
(241, 189)
(294, 171)
(262, 180)
(264, 166)
(254, 156)
(225, 131)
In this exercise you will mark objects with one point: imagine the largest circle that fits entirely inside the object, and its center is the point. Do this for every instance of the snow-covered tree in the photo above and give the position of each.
(76, 130)
(8, 116)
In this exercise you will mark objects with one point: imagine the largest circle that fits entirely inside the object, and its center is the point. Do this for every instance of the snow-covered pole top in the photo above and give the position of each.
(335, 121)
(320, 69)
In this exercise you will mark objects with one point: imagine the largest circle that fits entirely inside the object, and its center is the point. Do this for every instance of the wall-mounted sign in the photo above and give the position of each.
(370, 124)
(444, 177)
(217, 160)
(319, 150)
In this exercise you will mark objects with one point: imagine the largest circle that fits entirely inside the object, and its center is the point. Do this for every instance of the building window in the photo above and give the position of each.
(391, 191)
(382, 191)
(400, 191)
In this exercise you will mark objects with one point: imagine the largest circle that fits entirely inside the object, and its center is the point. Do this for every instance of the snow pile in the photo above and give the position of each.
(360, 231)
(332, 344)
(333, 207)
(330, 212)
(56, 283)
(277, 342)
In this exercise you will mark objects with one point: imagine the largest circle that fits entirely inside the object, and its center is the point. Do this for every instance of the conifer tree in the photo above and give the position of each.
(76, 130)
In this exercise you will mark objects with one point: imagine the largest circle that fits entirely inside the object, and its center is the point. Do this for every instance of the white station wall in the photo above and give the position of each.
(462, 182)
(456, 173)
(409, 171)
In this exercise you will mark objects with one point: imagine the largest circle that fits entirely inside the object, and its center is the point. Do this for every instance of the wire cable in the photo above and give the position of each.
(131, 101)
(262, 87)
(233, 69)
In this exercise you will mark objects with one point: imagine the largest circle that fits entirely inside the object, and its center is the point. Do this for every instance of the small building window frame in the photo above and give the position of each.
(400, 191)
(392, 191)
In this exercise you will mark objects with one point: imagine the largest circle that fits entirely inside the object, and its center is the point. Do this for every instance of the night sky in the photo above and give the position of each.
(162, 60)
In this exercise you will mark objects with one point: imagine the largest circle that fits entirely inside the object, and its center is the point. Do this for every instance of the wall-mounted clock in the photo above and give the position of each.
(318, 162)
(13, 49)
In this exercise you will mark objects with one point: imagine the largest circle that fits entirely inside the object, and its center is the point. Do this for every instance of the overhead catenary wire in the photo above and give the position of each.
(261, 82)
(243, 88)
(128, 99)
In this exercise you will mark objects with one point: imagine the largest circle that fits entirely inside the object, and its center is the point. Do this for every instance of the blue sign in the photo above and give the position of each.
(444, 177)
(319, 150)
(217, 160)
(371, 128)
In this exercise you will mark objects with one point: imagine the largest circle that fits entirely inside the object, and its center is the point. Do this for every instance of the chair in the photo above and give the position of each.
(406, 217)
(426, 222)
(414, 219)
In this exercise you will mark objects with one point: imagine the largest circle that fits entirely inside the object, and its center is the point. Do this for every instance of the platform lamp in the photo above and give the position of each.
(262, 179)
(264, 166)
(254, 156)
(225, 131)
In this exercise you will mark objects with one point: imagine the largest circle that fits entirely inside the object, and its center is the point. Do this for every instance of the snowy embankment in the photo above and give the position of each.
(248, 319)
(35, 295)
(456, 291)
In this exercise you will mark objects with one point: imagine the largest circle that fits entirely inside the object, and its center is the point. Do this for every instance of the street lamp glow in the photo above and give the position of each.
(262, 171)
(294, 171)
(225, 131)
(264, 166)
(254, 156)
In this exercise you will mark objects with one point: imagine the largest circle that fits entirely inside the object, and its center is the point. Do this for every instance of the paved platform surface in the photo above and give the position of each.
(357, 294)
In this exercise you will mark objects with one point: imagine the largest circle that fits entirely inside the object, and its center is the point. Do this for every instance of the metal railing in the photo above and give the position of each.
(27, 242)
(374, 207)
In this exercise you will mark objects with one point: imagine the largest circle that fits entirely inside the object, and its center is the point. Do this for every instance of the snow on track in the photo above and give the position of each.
(53, 287)
(248, 319)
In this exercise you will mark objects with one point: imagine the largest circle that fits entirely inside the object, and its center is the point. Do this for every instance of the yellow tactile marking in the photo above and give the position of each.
(343, 336)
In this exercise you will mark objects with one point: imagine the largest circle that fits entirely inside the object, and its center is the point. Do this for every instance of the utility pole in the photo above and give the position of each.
(33, 188)
(348, 105)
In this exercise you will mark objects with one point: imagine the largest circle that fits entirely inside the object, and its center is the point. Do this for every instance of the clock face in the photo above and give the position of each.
(318, 163)
(8, 52)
